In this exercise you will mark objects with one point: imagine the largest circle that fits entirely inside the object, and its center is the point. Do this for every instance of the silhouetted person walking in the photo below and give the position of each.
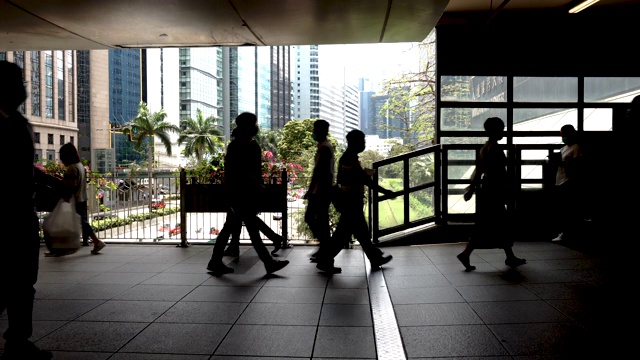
(233, 249)
(243, 182)
(19, 255)
(353, 179)
(568, 187)
(491, 184)
(319, 194)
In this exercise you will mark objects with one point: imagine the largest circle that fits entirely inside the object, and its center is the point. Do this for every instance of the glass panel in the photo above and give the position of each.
(521, 140)
(611, 89)
(460, 172)
(543, 119)
(598, 119)
(391, 175)
(456, 202)
(391, 213)
(452, 119)
(421, 169)
(545, 89)
(534, 154)
(473, 88)
(421, 204)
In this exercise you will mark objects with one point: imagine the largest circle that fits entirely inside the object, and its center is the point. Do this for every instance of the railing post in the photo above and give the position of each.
(285, 212)
(183, 212)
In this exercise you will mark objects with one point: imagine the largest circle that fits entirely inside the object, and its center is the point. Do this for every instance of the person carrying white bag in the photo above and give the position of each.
(62, 229)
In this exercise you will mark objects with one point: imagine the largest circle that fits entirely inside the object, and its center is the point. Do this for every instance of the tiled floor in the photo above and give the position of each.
(159, 302)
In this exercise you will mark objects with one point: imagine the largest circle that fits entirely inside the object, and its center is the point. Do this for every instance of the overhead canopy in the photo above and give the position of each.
(106, 24)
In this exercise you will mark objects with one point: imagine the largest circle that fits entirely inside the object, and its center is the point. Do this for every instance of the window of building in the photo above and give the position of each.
(61, 139)
(50, 139)
(61, 87)
(51, 155)
(71, 139)
(35, 83)
(48, 84)
(37, 155)
(36, 137)
(18, 59)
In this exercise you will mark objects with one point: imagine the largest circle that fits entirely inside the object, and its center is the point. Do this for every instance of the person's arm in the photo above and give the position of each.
(476, 176)
(71, 181)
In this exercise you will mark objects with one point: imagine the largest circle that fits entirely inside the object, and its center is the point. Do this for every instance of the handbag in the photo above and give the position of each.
(62, 228)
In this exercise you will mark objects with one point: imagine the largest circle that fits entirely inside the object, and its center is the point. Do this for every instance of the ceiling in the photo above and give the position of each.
(106, 24)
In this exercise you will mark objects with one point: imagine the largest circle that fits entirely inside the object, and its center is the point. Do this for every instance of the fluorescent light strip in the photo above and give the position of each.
(582, 6)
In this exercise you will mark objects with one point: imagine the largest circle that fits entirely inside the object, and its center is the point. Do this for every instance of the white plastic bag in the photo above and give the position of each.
(63, 227)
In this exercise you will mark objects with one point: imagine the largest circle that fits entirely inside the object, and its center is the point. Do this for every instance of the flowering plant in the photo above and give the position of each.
(56, 169)
(273, 168)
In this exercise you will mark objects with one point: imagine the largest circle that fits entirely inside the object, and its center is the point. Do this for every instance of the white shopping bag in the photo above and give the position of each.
(63, 226)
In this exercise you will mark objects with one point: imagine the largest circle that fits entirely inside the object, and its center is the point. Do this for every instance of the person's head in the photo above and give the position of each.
(320, 130)
(69, 154)
(494, 126)
(12, 90)
(568, 133)
(246, 125)
(634, 111)
(356, 141)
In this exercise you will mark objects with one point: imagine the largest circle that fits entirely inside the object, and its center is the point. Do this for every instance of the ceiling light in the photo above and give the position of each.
(583, 5)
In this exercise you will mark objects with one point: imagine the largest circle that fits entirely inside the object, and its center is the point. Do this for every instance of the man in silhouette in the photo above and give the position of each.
(319, 194)
(243, 182)
(19, 256)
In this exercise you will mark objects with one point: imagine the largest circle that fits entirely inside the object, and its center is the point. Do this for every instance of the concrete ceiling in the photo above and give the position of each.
(107, 24)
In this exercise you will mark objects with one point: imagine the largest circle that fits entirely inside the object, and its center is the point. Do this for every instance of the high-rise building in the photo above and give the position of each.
(305, 78)
(181, 82)
(259, 83)
(125, 94)
(51, 98)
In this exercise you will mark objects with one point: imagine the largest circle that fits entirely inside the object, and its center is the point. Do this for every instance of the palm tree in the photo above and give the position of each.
(144, 128)
(268, 140)
(200, 136)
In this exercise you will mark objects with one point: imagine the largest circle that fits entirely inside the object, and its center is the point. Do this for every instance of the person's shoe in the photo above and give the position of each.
(232, 252)
(218, 268)
(28, 351)
(560, 237)
(328, 268)
(376, 263)
(464, 259)
(314, 257)
(514, 262)
(277, 244)
(97, 247)
(275, 265)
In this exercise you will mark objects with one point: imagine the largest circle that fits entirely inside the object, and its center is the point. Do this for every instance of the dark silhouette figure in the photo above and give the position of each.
(352, 178)
(319, 194)
(243, 182)
(491, 184)
(568, 187)
(75, 178)
(19, 256)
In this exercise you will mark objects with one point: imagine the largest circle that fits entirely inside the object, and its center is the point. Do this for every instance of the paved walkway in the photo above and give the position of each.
(159, 302)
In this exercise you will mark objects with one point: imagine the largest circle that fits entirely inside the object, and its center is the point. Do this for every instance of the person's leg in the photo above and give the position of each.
(331, 248)
(216, 265)
(233, 249)
(81, 209)
(251, 221)
(19, 266)
(275, 238)
(362, 234)
(311, 218)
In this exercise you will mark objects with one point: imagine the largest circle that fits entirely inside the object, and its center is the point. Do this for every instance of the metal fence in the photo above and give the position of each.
(136, 212)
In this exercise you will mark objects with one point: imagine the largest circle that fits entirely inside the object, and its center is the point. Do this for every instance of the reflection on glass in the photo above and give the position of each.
(598, 119)
(456, 202)
(421, 169)
(611, 89)
(461, 119)
(531, 172)
(543, 119)
(545, 89)
(463, 140)
(473, 88)
(421, 204)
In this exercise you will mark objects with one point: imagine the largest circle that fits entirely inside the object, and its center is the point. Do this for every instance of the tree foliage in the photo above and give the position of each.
(411, 103)
(201, 136)
(268, 140)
